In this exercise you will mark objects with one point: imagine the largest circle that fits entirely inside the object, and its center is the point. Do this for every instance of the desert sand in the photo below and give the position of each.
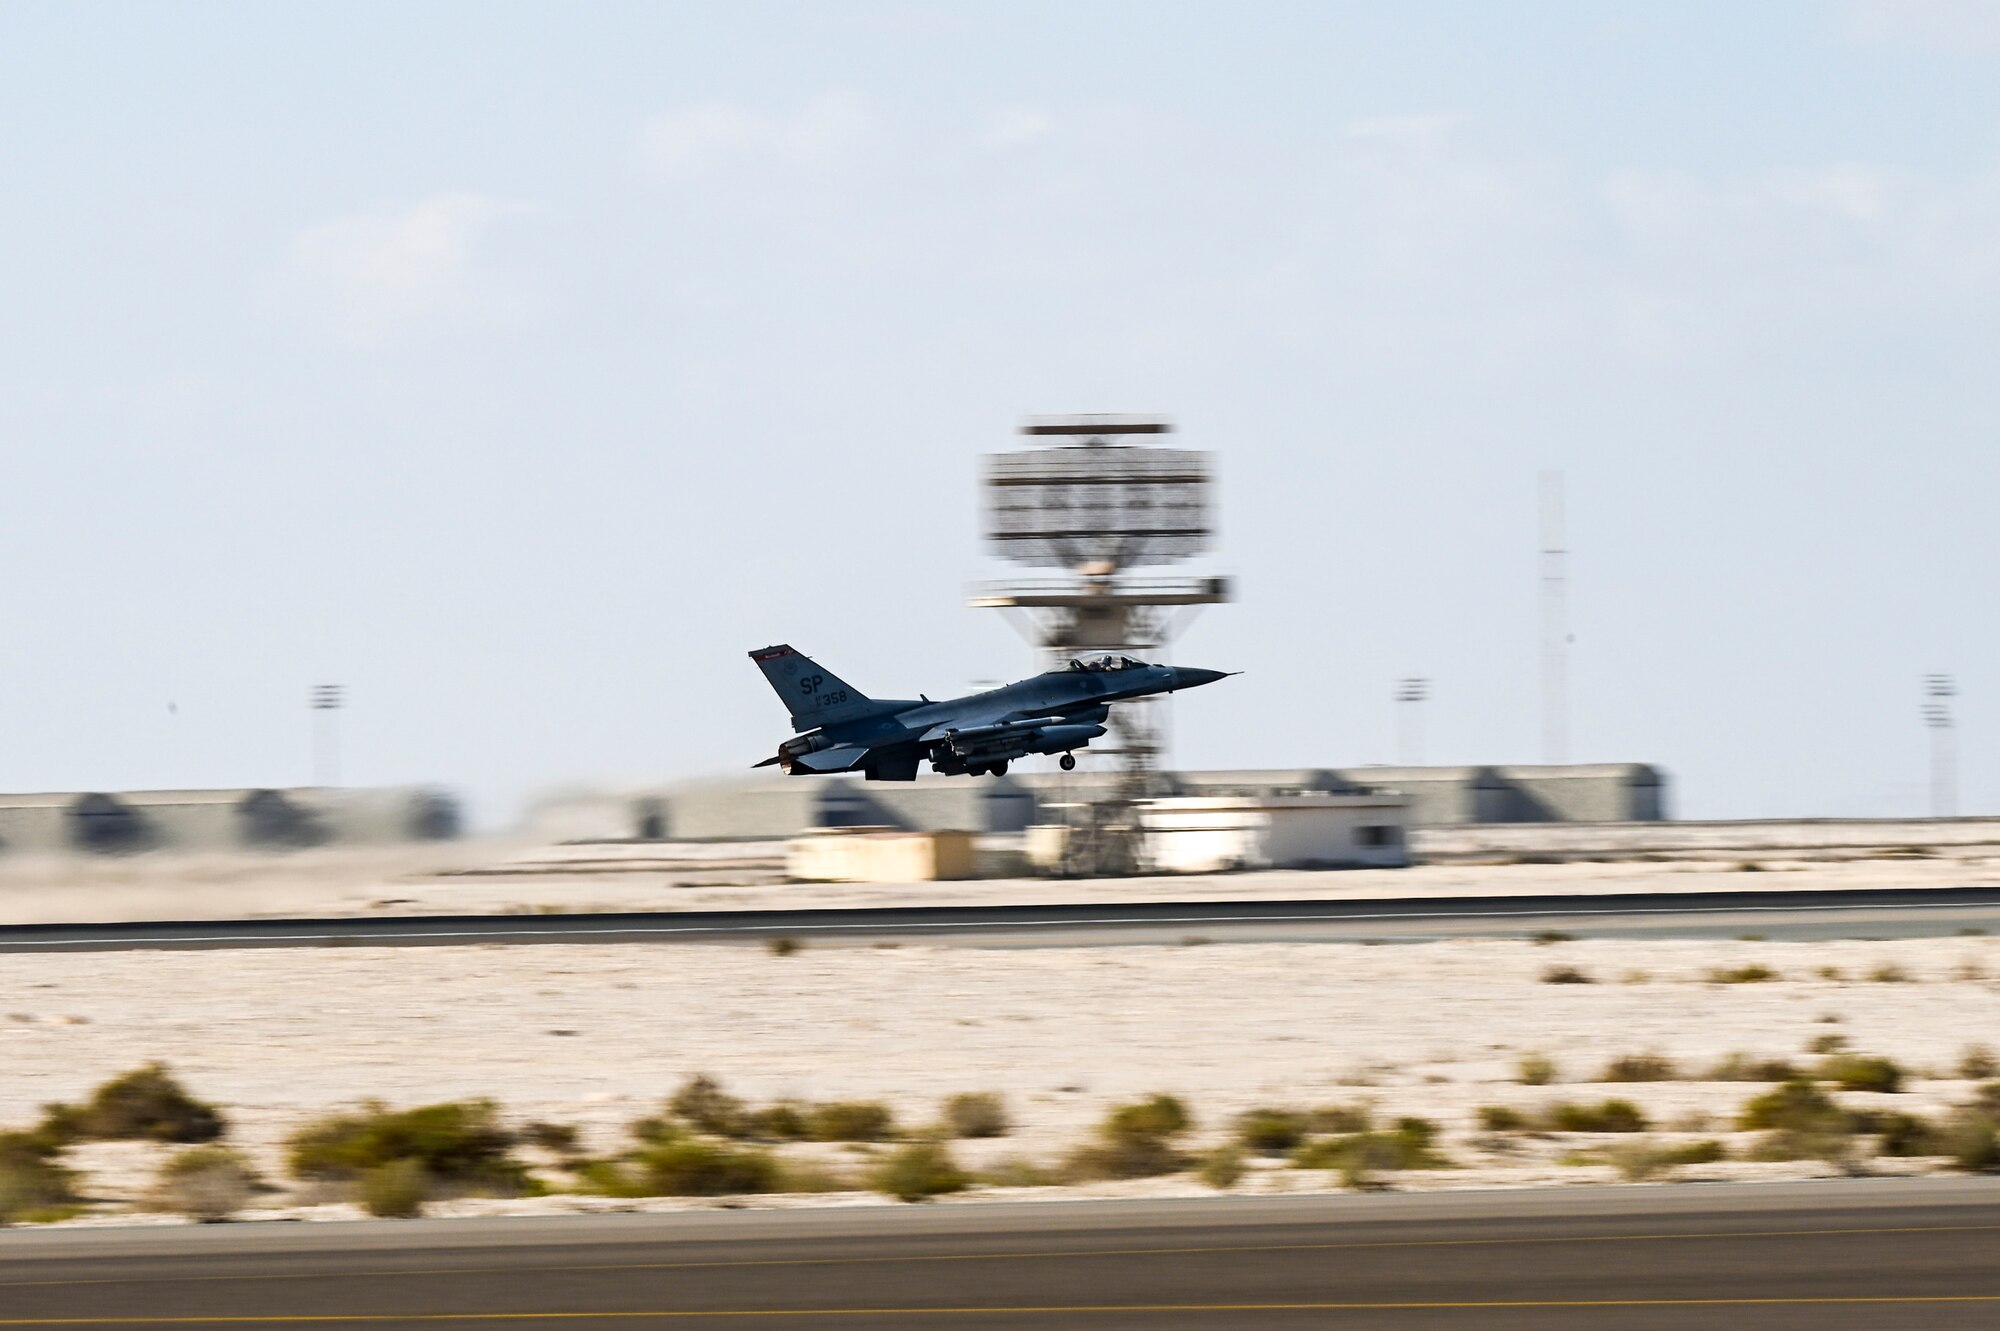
(599, 1035)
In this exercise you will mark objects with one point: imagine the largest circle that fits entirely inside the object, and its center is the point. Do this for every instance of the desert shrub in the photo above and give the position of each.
(1744, 1067)
(558, 1138)
(1535, 1070)
(145, 1104)
(1155, 1116)
(851, 1121)
(1862, 1072)
(1271, 1131)
(1889, 973)
(457, 1146)
(396, 1190)
(1017, 1171)
(976, 1114)
(1221, 1169)
(1753, 973)
(1341, 1118)
(1135, 1140)
(1830, 1043)
(692, 1167)
(1566, 975)
(703, 1105)
(1794, 1106)
(1836, 1147)
(1363, 1156)
(1972, 1141)
(1545, 937)
(1606, 1116)
(782, 946)
(917, 1172)
(1640, 1067)
(781, 1122)
(205, 1183)
(1637, 1161)
(34, 1185)
(1899, 1134)
(812, 1176)
(1977, 1063)
(1501, 1118)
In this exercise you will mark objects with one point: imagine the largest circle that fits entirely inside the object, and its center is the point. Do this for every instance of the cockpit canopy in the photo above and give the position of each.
(1107, 663)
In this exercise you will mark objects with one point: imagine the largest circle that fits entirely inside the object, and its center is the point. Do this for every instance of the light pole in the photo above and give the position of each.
(1940, 689)
(1410, 695)
(326, 700)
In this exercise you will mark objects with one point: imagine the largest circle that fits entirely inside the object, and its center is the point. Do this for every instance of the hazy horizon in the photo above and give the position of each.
(521, 366)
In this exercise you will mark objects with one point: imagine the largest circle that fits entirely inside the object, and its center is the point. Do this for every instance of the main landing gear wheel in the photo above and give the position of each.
(998, 769)
(1067, 762)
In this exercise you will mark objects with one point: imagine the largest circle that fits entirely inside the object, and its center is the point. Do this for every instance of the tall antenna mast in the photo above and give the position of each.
(1555, 623)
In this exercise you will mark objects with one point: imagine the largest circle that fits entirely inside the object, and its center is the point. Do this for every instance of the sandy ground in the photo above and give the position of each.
(598, 1035)
(498, 878)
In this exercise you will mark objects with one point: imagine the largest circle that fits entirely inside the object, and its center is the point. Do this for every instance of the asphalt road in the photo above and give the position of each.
(1877, 912)
(1829, 1256)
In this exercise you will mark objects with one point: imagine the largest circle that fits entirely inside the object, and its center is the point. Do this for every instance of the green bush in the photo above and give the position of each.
(1862, 1072)
(1900, 1134)
(1155, 1116)
(1341, 1118)
(702, 1104)
(205, 1183)
(692, 1167)
(1135, 1141)
(1501, 1118)
(1221, 1169)
(458, 1146)
(1016, 1171)
(917, 1172)
(1637, 1161)
(976, 1114)
(1565, 975)
(1743, 1067)
(556, 1138)
(396, 1190)
(33, 1184)
(1535, 1070)
(851, 1121)
(781, 1122)
(1977, 1063)
(1362, 1157)
(1640, 1067)
(1836, 1146)
(1794, 1106)
(1271, 1131)
(1753, 973)
(1606, 1116)
(1973, 1142)
(145, 1104)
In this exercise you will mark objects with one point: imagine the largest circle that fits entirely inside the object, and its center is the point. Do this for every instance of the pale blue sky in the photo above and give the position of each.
(523, 365)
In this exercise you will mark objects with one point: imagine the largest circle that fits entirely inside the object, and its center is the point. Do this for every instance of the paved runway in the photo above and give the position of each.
(1881, 912)
(1829, 1256)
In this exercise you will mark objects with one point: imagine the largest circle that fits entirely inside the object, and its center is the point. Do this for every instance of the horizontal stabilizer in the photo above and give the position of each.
(837, 759)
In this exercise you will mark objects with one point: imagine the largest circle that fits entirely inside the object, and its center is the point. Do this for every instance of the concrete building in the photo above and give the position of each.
(1217, 833)
(774, 808)
(124, 822)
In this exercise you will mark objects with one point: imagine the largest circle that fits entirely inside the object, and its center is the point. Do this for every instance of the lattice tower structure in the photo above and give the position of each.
(1096, 502)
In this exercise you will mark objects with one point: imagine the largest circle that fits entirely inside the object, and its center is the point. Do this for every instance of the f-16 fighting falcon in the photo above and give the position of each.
(842, 729)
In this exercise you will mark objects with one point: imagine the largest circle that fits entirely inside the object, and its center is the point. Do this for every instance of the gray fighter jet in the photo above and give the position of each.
(842, 729)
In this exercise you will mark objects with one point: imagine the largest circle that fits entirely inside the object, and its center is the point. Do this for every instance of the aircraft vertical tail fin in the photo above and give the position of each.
(816, 696)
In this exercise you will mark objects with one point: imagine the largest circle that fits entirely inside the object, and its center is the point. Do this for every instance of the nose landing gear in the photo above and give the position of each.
(1067, 762)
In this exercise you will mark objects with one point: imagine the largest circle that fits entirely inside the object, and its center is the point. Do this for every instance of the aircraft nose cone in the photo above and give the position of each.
(1188, 677)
